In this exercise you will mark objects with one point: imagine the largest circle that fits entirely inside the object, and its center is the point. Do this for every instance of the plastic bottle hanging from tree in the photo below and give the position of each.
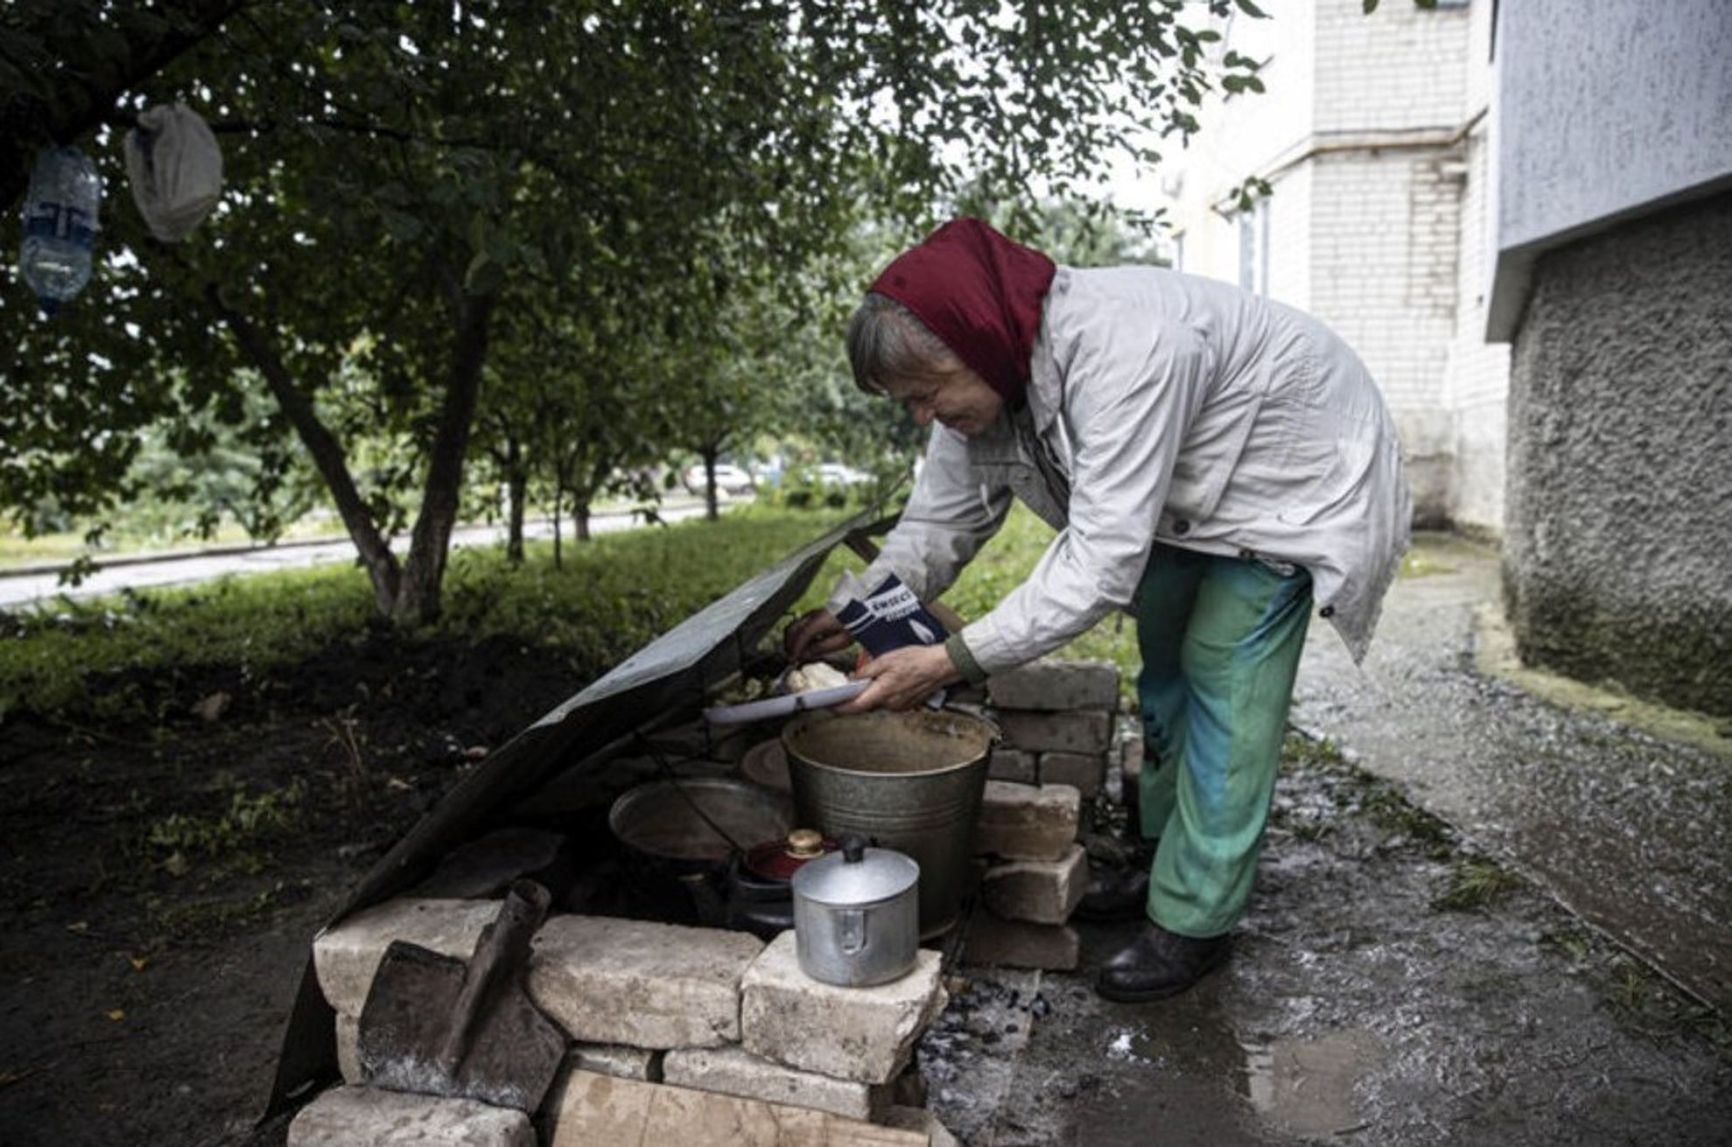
(60, 225)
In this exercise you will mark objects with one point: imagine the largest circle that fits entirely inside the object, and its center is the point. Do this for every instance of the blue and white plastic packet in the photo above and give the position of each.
(886, 617)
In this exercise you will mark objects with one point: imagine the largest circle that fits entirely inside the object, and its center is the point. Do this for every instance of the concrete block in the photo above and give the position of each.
(1012, 765)
(1015, 944)
(1052, 686)
(349, 1049)
(862, 1034)
(1071, 732)
(599, 1111)
(921, 1120)
(1027, 822)
(1082, 771)
(346, 957)
(615, 1059)
(732, 1071)
(638, 983)
(965, 694)
(1037, 891)
(1131, 752)
(484, 868)
(373, 1117)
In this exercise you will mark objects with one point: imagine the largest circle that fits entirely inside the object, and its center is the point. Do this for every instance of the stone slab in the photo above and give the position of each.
(345, 957)
(1012, 765)
(373, 1117)
(1057, 685)
(1082, 771)
(600, 1111)
(1070, 732)
(1027, 822)
(734, 1071)
(615, 1059)
(643, 984)
(1015, 944)
(349, 1049)
(1037, 891)
(921, 1120)
(862, 1034)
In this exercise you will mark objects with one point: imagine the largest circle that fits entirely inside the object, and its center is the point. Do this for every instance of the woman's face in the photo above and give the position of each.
(959, 399)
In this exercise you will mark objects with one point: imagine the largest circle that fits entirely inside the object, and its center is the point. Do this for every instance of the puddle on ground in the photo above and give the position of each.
(1307, 1087)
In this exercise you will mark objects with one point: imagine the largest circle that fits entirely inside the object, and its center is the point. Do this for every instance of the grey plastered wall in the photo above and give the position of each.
(1618, 551)
(1605, 110)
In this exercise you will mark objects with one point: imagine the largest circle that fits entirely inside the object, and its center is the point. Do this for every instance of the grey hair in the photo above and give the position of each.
(886, 342)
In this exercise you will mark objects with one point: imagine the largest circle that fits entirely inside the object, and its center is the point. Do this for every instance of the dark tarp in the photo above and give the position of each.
(670, 675)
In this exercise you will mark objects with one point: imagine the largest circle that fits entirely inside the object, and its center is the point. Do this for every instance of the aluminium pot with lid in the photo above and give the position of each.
(857, 915)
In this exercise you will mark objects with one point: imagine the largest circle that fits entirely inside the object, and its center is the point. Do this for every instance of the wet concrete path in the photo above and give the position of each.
(1368, 1001)
(1398, 980)
(1632, 831)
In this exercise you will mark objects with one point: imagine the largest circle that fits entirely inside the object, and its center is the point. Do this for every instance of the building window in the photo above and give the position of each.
(1254, 248)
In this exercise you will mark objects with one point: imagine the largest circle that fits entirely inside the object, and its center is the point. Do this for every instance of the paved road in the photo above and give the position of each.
(18, 590)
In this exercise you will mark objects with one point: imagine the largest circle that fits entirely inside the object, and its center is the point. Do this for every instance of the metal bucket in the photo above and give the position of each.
(907, 781)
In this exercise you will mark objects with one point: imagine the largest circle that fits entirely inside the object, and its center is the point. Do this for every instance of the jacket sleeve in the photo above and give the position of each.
(1131, 390)
(950, 515)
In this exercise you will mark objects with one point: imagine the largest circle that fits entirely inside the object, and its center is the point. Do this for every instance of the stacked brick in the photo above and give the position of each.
(1057, 721)
(675, 1031)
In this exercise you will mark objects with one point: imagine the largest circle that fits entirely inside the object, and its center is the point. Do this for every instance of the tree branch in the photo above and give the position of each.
(86, 95)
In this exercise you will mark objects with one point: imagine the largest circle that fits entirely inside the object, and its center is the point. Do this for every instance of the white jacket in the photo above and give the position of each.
(1166, 407)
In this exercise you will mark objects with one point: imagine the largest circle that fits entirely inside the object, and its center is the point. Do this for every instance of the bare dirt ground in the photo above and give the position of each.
(160, 884)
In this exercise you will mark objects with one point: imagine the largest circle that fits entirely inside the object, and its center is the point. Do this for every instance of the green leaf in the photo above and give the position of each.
(1370, 6)
(1251, 10)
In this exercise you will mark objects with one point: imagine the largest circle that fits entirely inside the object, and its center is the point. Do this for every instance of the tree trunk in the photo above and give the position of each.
(580, 520)
(558, 556)
(712, 511)
(327, 454)
(517, 488)
(430, 541)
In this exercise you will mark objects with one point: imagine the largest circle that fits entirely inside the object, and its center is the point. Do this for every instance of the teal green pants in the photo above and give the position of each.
(1220, 639)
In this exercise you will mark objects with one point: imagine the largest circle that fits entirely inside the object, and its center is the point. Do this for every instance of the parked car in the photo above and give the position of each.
(730, 479)
(837, 474)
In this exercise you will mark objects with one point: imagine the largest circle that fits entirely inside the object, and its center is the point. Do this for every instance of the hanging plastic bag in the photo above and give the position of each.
(176, 170)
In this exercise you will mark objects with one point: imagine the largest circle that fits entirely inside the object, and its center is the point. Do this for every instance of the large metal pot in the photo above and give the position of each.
(857, 916)
(907, 781)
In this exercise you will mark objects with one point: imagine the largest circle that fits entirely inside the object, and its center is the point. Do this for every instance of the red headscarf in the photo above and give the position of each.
(978, 292)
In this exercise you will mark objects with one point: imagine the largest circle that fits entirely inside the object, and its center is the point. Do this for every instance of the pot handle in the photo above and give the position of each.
(852, 926)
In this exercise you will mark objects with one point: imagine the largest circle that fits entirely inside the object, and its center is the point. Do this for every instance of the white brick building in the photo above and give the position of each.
(1374, 138)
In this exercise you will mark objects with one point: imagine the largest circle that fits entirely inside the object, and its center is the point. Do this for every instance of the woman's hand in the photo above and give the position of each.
(903, 678)
(813, 635)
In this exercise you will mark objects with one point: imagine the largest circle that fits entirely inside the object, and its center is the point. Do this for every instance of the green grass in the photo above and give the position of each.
(610, 597)
(1474, 884)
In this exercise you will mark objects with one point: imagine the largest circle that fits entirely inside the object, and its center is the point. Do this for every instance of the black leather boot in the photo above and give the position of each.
(1118, 891)
(1119, 881)
(1158, 964)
